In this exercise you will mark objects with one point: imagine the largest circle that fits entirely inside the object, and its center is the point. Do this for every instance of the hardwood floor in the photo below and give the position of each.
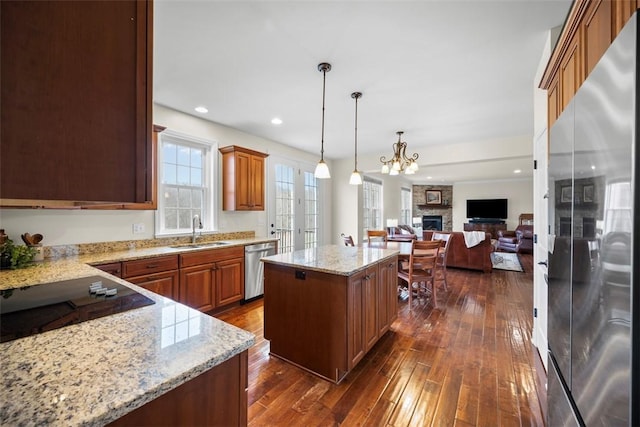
(469, 363)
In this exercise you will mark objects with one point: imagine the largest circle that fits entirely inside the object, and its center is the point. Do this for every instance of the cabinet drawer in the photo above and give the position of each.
(149, 265)
(113, 268)
(209, 256)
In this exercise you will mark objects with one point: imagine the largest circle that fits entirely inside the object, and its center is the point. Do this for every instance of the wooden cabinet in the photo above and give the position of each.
(363, 313)
(113, 268)
(76, 103)
(323, 322)
(387, 295)
(242, 179)
(157, 274)
(211, 279)
(590, 29)
(197, 287)
(165, 284)
(218, 397)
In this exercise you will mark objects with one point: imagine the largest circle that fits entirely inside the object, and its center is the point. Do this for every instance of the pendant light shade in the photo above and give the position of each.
(322, 170)
(356, 178)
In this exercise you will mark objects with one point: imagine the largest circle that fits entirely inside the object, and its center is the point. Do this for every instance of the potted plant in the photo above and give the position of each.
(15, 256)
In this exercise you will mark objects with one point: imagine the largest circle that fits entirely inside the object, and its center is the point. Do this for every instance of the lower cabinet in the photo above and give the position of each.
(157, 274)
(212, 279)
(218, 397)
(204, 280)
(326, 323)
(165, 283)
(387, 295)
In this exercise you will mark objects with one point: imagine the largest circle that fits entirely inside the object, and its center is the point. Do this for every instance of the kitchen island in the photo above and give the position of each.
(325, 308)
(164, 362)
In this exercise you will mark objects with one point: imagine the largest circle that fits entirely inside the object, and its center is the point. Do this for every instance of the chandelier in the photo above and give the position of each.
(400, 162)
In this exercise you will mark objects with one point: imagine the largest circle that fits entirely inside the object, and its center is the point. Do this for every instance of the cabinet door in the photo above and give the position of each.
(597, 30)
(165, 284)
(570, 71)
(243, 181)
(256, 177)
(229, 283)
(85, 69)
(197, 287)
(113, 268)
(554, 102)
(370, 307)
(355, 313)
(387, 295)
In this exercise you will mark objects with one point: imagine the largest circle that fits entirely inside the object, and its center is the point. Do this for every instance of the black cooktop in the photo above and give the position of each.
(35, 309)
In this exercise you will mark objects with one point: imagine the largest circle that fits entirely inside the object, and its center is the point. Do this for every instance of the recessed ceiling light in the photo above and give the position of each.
(517, 171)
(429, 177)
(593, 167)
(202, 109)
(276, 121)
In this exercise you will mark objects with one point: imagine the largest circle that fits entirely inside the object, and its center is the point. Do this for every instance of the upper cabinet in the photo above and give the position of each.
(76, 104)
(589, 30)
(242, 179)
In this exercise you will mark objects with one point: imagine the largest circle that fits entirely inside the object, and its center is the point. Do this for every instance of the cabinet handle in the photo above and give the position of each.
(152, 266)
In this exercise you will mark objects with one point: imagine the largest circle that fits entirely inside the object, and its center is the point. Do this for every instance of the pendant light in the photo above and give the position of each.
(322, 170)
(356, 178)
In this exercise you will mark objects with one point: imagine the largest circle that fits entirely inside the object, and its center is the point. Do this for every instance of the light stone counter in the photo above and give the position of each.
(95, 372)
(71, 267)
(334, 259)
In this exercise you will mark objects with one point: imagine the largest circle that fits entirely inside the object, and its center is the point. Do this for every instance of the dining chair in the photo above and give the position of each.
(348, 240)
(377, 235)
(419, 272)
(441, 262)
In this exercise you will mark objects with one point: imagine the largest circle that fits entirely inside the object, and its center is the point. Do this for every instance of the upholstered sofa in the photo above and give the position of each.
(475, 258)
(519, 240)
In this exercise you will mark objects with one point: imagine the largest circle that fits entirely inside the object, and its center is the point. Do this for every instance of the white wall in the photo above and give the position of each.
(60, 227)
(519, 194)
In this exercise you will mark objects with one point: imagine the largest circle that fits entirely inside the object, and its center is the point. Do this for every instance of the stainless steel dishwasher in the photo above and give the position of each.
(254, 269)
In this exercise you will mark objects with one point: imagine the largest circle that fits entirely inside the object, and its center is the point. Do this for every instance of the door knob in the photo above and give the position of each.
(273, 232)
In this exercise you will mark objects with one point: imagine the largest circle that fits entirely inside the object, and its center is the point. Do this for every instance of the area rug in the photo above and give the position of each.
(506, 261)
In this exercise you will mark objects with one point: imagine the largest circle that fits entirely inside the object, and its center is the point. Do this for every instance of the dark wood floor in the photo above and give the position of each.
(468, 363)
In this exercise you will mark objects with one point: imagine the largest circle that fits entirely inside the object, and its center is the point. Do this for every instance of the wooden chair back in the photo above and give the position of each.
(377, 235)
(421, 268)
(348, 240)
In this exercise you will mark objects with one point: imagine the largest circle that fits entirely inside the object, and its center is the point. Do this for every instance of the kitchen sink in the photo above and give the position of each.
(199, 245)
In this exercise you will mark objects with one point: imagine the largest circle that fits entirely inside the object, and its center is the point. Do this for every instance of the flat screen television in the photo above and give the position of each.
(487, 209)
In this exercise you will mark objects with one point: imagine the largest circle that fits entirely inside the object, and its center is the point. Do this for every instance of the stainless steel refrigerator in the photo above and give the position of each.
(593, 248)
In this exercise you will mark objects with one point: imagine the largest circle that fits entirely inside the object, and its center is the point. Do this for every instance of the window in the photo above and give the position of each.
(311, 210)
(184, 183)
(371, 205)
(405, 209)
(295, 214)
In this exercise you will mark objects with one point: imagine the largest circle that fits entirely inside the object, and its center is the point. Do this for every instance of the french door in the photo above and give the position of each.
(293, 212)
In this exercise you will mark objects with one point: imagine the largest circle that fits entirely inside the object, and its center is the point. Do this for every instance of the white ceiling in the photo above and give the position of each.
(444, 72)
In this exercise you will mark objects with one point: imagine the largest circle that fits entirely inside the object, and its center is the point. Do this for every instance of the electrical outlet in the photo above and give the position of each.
(138, 228)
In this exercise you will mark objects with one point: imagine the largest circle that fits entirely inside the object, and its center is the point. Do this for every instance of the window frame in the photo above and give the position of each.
(405, 211)
(365, 223)
(210, 165)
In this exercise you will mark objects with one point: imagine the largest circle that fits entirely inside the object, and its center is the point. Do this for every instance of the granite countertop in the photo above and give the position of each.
(335, 259)
(97, 371)
(72, 267)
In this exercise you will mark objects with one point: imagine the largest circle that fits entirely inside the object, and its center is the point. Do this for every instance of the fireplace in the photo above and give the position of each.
(432, 222)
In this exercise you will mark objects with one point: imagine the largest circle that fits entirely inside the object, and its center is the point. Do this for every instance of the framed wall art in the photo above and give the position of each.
(433, 197)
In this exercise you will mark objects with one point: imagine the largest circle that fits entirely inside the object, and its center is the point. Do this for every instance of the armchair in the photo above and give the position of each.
(518, 240)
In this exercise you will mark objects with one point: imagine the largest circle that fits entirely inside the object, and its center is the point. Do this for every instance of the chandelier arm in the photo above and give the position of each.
(384, 160)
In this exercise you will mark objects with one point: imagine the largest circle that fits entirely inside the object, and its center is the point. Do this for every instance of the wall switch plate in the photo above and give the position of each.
(138, 228)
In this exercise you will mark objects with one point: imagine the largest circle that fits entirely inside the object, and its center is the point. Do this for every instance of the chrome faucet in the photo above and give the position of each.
(195, 222)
